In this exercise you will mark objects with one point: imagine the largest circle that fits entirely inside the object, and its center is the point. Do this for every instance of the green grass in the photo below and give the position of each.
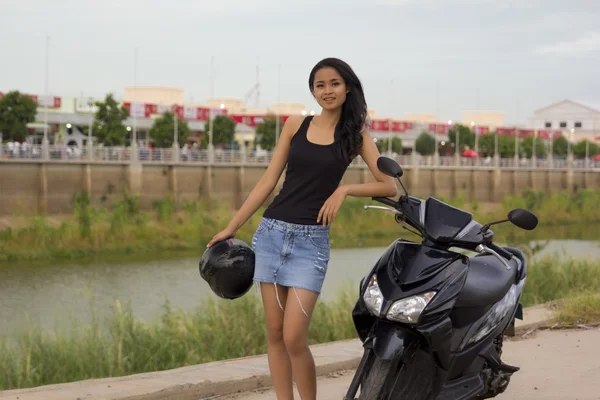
(220, 329)
(577, 309)
(126, 230)
(549, 279)
(123, 345)
(558, 208)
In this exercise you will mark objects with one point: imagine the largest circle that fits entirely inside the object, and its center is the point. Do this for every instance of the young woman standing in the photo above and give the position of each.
(291, 242)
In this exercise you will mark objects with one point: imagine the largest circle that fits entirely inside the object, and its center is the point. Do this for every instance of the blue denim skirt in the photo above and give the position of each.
(291, 255)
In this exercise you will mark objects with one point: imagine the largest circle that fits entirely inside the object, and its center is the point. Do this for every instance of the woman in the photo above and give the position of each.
(292, 240)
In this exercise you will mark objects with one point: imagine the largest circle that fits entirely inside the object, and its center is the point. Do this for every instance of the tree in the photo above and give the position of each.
(465, 136)
(425, 144)
(506, 146)
(223, 130)
(487, 144)
(579, 149)
(560, 146)
(383, 145)
(265, 133)
(16, 111)
(162, 131)
(108, 122)
(526, 147)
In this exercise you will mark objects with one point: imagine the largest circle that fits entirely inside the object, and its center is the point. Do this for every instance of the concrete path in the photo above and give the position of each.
(555, 365)
(219, 378)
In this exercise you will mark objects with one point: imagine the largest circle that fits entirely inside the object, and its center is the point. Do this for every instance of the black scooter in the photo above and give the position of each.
(432, 320)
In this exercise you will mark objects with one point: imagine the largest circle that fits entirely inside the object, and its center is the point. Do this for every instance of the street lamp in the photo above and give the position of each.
(45, 142)
(457, 149)
(569, 155)
(176, 134)
(90, 146)
(476, 140)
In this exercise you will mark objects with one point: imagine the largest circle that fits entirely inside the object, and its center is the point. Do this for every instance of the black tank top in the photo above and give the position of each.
(313, 173)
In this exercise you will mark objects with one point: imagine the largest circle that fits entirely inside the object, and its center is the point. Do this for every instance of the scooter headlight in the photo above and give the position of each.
(372, 297)
(409, 310)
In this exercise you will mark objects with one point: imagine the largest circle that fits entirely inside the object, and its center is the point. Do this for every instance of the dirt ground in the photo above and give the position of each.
(555, 365)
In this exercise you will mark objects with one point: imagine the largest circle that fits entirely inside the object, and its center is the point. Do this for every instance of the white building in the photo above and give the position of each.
(576, 121)
(491, 119)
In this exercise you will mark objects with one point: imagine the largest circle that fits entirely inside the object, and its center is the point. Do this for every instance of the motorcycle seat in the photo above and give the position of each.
(487, 282)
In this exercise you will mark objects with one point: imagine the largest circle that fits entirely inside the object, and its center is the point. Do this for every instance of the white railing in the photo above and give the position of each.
(120, 154)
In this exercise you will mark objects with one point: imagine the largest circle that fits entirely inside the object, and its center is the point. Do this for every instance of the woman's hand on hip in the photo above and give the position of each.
(330, 208)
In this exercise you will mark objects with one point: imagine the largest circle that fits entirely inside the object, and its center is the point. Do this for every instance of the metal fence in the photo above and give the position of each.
(103, 154)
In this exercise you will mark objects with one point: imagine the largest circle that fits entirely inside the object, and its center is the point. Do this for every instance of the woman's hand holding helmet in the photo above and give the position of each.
(226, 233)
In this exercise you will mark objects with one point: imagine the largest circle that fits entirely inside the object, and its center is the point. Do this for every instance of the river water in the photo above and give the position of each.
(56, 297)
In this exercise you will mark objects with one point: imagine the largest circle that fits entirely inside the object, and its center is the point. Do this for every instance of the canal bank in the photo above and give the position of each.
(35, 187)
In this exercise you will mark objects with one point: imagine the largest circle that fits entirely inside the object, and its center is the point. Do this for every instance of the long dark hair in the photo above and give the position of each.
(354, 110)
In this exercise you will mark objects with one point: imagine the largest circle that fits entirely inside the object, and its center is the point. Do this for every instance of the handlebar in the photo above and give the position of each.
(386, 201)
(506, 254)
(404, 202)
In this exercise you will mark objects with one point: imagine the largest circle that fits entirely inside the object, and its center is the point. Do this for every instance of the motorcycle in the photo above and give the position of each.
(431, 319)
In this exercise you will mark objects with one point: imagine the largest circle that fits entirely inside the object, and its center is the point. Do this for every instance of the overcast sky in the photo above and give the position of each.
(510, 55)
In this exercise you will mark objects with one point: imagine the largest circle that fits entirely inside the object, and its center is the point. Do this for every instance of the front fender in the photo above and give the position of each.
(390, 340)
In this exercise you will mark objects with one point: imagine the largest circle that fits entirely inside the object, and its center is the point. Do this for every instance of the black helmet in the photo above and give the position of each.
(228, 267)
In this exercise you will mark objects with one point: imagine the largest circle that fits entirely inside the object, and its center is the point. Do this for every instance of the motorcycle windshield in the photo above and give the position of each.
(443, 222)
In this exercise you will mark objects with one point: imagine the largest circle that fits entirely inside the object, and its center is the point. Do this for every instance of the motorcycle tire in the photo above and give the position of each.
(414, 380)
(372, 385)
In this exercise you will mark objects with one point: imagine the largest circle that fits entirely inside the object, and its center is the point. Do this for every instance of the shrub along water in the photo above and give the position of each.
(179, 228)
(220, 329)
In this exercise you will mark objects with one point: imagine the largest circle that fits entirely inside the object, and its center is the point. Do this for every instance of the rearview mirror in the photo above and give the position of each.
(523, 219)
(389, 167)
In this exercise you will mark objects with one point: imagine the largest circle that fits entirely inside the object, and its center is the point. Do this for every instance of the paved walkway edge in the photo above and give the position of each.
(220, 378)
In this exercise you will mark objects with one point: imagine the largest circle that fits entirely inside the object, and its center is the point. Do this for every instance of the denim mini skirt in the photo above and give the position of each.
(292, 255)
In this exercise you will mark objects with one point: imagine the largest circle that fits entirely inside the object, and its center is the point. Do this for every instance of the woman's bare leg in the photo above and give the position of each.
(279, 360)
(298, 312)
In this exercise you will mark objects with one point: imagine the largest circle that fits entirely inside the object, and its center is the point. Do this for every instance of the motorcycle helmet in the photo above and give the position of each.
(228, 268)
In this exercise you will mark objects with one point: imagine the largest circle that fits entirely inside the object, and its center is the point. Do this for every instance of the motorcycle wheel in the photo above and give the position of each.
(414, 379)
(372, 385)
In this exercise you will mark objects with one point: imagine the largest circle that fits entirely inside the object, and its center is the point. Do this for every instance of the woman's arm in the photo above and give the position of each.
(384, 187)
(266, 184)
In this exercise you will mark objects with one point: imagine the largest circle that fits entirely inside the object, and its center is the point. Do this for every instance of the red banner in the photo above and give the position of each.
(399, 126)
(543, 134)
(190, 113)
(402, 126)
(380, 125)
(515, 132)
(150, 109)
(46, 101)
(253, 120)
(441, 129)
(506, 131)
(250, 120)
(523, 133)
(383, 126)
(481, 130)
(43, 101)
